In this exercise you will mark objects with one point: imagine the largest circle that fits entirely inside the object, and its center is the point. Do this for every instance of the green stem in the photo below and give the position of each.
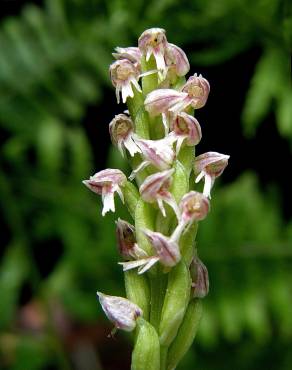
(163, 357)
(139, 115)
(157, 290)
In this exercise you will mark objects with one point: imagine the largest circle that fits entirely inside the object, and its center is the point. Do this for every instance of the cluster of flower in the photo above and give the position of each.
(172, 102)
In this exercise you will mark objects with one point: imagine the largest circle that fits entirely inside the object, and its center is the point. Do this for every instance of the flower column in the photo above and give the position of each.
(164, 277)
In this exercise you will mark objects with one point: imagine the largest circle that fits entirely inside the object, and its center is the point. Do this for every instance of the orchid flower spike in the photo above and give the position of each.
(166, 252)
(123, 74)
(159, 153)
(133, 54)
(155, 189)
(126, 239)
(122, 312)
(185, 128)
(106, 183)
(153, 42)
(209, 165)
(200, 278)
(121, 130)
(194, 206)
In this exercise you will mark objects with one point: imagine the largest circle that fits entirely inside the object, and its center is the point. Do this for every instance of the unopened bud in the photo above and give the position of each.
(125, 237)
(122, 312)
(200, 278)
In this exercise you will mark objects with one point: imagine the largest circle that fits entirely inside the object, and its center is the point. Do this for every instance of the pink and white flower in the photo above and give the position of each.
(120, 311)
(166, 249)
(194, 206)
(185, 128)
(166, 252)
(106, 183)
(153, 42)
(124, 74)
(209, 166)
(162, 100)
(155, 189)
(197, 88)
(194, 93)
(159, 153)
(121, 130)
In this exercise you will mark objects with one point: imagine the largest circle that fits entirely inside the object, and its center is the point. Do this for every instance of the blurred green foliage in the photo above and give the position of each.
(54, 64)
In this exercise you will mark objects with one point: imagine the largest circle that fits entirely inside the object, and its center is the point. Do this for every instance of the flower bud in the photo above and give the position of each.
(133, 54)
(176, 58)
(122, 312)
(106, 183)
(166, 249)
(153, 41)
(155, 189)
(200, 278)
(209, 165)
(125, 237)
(186, 128)
(123, 74)
(121, 130)
(198, 89)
